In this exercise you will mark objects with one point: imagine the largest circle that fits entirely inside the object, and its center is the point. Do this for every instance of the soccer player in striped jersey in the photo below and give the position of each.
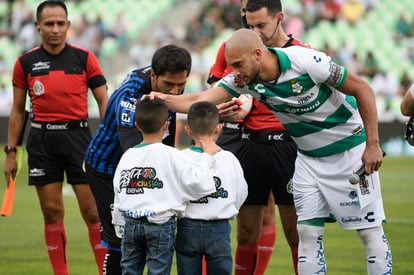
(331, 115)
(249, 141)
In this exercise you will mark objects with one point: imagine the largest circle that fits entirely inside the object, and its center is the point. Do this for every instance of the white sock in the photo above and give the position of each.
(379, 259)
(311, 254)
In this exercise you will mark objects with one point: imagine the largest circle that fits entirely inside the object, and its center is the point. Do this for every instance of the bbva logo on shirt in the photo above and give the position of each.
(135, 180)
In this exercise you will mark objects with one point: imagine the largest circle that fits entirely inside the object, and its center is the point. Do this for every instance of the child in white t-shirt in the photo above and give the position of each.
(204, 231)
(152, 182)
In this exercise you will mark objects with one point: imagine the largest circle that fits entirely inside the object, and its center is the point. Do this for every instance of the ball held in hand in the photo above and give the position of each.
(245, 103)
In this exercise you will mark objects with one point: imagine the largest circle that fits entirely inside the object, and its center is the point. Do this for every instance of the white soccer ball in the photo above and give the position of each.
(245, 103)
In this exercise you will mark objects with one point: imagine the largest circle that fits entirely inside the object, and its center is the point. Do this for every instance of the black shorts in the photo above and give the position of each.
(103, 190)
(230, 136)
(53, 153)
(268, 161)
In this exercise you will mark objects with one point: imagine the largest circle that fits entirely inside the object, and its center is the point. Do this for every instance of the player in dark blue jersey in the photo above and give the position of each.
(168, 73)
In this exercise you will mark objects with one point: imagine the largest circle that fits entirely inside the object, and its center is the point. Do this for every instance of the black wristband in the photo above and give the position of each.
(8, 149)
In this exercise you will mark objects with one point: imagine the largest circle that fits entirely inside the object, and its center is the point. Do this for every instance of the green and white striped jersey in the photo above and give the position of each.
(321, 120)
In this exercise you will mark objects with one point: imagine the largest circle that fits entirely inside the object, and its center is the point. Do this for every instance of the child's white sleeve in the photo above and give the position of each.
(197, 178)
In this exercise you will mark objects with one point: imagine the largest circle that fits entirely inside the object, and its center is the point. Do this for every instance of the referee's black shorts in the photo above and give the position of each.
(230, 136)
(268, 161)
(52, 153)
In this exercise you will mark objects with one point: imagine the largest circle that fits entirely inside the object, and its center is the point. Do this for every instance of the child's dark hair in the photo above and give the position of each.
(202, 118)
(151, 114)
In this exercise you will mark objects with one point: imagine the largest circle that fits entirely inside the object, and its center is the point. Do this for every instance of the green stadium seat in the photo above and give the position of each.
(374, 32)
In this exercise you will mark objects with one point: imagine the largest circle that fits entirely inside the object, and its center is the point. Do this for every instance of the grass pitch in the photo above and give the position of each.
(22, 248)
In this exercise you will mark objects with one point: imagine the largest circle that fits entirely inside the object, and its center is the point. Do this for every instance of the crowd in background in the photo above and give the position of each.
(202, 26)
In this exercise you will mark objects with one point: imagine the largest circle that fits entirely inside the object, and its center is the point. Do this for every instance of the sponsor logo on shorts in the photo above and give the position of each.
(234, 126)
(370, 217)
(37, 172)
(57, 126)
(276, 137)
(353, 195)
(350, 219)
(349, 203)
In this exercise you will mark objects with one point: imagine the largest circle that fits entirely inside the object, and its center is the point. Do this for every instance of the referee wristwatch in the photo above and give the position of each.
(8, 149)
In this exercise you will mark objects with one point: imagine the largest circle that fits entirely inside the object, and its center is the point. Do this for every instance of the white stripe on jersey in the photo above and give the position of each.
(317, 116)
